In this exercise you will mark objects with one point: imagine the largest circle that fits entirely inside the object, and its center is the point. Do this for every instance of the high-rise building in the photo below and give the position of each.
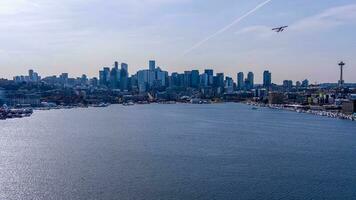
(204, 80)
(124, 76)
(298, 84)
(101, 77)
(104, 76)
(93, 82)
(187, 79)
(267, 79)
(84, 79)
(151, 77)
(240, 80)
(107, 75)
(125, 67)
(114, 78)
(152, 65)
(287, 84)
(132, 85)
(142, 80)
(305, 83)
(181, 80)
(210, 74)
(250, 80)
(116, 65)
(30, 74)
(174, 80)
(229, 85)
(219, 80)
(161, 77)
(195, 78)
(63, 78)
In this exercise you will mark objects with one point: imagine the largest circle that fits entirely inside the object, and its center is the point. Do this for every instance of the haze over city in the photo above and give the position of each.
(83, 36)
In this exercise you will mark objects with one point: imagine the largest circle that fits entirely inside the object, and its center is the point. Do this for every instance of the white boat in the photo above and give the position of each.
(128, 104)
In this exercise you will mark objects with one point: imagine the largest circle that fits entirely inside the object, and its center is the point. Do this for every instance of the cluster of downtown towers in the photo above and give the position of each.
(154, 78)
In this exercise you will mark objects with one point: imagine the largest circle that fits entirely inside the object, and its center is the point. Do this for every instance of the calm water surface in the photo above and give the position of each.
(224, 151)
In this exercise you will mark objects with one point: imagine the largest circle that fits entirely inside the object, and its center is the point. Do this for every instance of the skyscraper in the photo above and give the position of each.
(195, 78)
(125, 67)
(152, 65)
(161, 77)
(287, 84)
(84, 79)
(210, 74)
(250, 80)
(116, 65)
(174, 80)
(187, 79)
(267, 79)
(114, 78)
(240, 80)
(204, 80)
(219, 80)
(106, 76)
(64, 78)
(142, 80)
(30, 74)
(124, 76)
(229, 85)
(101, 77)
(305, 83)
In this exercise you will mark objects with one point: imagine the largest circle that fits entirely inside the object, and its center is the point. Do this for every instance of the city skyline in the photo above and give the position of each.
(240, 77)
(66, 37)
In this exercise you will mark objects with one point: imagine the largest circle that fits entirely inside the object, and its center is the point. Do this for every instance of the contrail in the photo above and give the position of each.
(227, 27)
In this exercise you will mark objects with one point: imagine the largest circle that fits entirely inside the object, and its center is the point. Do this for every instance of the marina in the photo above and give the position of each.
(305, 109)
(6, 113)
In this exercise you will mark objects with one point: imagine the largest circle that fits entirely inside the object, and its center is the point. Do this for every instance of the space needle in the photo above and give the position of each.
(341, 81)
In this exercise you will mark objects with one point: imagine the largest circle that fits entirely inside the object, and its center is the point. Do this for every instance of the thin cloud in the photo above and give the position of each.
(12, 7)
(197, 45)
(327, 19)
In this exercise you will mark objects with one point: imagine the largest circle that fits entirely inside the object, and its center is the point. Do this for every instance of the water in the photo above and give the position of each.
(223, 151)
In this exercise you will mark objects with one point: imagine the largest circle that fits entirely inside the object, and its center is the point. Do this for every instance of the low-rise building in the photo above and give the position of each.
(349, 107)
(275, 98)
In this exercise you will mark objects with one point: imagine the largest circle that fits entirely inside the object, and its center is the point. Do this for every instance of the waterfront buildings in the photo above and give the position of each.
(114, 84)
(349, 107)
(275, 98)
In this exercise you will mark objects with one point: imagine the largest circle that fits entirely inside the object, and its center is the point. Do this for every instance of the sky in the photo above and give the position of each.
(82, 36)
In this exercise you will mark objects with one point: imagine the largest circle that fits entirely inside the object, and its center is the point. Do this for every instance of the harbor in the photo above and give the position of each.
(305, 109)
(7, 113)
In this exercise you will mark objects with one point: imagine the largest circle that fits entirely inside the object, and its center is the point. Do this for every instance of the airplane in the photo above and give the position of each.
(279, 29)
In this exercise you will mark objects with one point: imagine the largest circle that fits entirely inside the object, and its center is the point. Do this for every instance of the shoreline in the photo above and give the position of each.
(293, 108)
(13, 113)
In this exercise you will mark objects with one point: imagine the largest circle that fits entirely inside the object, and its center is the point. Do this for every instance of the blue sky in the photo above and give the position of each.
(81, 36)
